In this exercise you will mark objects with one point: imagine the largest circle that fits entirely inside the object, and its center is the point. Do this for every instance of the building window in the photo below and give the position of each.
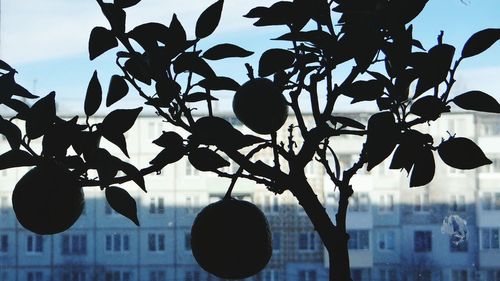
(74, 244)
(187, 241)
(422, 241)
(357, 274)
(4, 276)
(459, 246)
(423, 275)
(34, 276)
(156, 242)
(386, 240)
(489, 238)
(457, 203)
(307, 275)
(386, 203)
(490, 201)
(157, 275)
(73, 276)
(4, 243)
(117, 242)
(276, 241)
(34, 244)
(493, 275)
(359, 240)
(388, 275)
(421, 203)
(270, 275)
(359, 202)
(118, 276)
(271, 204)
(192, 204)
(4, 206)
(157, 205)
(307, 241)
(193, 275)
(459, 275)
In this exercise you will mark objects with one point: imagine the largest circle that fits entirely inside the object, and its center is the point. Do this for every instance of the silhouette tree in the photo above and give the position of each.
(156, 59)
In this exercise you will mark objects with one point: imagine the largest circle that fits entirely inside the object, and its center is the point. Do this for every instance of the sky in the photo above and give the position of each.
(46, 42)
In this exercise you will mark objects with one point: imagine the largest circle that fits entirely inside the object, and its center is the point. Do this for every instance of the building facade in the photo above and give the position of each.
(395, 231)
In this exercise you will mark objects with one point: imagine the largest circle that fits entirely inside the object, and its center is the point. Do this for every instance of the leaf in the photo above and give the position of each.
(149, 34)
(137, 69)
(93, 97)
(6, 66)
(205, 159)
(126, 3)
(106, 167)
(167, 90)
(20, 107)
(382, 135)
(429, 107)
(132, 172)
(119, 199)
(480, 42)
(116, 123)
(462, 153)
(177, 31)
(59, 137)
(118, 140)
(434, 68)
(477, 100)
(116, 17)
(169, 139)
(423, 168)
(347, 122)
(199, 96)
(274, 60)
(20, 91)
(118, 88)
(223, 51)
(364, 90)
(41, 116)
(16, 158)
(190, 61)
(213, 131)
(219, 83)
(208, 20)
(11, 132)
(170, 154)
(100, 41)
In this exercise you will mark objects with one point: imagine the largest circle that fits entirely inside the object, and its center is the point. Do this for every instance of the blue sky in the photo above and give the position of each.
(46, 41)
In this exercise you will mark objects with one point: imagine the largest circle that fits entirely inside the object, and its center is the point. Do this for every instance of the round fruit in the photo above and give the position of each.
(231, 239)
(260, 105)
(48, 199)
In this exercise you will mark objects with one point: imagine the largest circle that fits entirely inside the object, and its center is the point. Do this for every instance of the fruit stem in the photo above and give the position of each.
(238, 173)
(250, 71)
(275, 151)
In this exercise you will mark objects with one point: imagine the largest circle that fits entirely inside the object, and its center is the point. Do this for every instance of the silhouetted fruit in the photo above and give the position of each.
(260, 105)
(231, 239)
(47, 199)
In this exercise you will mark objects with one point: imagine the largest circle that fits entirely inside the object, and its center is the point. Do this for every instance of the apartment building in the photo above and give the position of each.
(395, 230)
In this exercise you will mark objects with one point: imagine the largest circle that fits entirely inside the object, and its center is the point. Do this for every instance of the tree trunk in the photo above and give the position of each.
(334, 239)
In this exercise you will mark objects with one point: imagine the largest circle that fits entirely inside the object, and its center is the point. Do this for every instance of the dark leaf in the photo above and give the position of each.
(345, 121)
(219, 83)
(11, 132)
(434, 68)
(59, 138)
(137, 69)
(132, 172)
(384, 103)
(6, 66)
(364, 90)
(118, 140)
(177, 31)
(480, 42)
(280, 13)
(86, 143)
(20, 91)
(116, 123)
(170, 154)
(157, 102)
(256, 12)
(149, 34)
(41, 116)
(208, 20)
(167, 90)
(20, 107)
(382, 135)
(403, 157)
(245, 140)
(424, 168)
(106, 167)
(72, 162)
(205, 159)
(429, 107)
(118, 88)
(223, 51)
(214, 131)
(199, 96)
(190, 61)
(274, 60)
(116, 17)
(169, 139)
(122, 202)
(100, 41)
(93, 97)
(477, 100)
(462, 153)
(126, 3)
(318, 38)
(16, 158)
